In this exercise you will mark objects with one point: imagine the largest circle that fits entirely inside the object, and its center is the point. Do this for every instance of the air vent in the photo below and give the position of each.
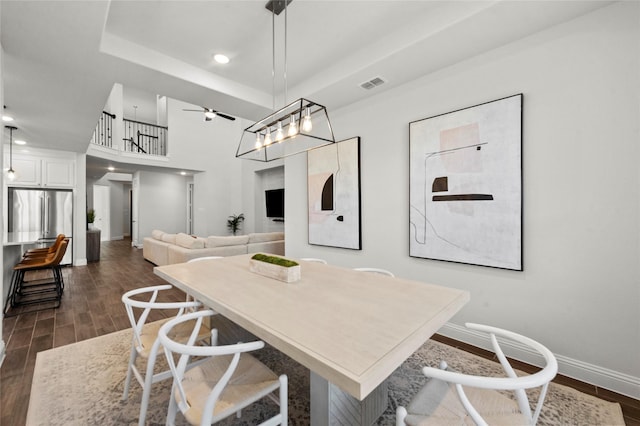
(374, 82)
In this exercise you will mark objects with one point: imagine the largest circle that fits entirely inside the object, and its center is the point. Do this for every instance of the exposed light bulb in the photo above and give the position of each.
(258, 141)
(293, 127)
(279, 133)
(306, 122)
(11, 174)
(267, 137)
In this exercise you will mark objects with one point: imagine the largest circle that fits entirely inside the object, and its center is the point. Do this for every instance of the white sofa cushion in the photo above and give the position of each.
(187, 241)
(262, 237)
(232, 240)
(157, 234)
(169, 238)
(155, 251)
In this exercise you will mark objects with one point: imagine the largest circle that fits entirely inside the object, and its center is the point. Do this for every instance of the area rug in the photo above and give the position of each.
(82, 383)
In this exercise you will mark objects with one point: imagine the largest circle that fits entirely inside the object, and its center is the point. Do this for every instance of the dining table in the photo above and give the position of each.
(350, 328)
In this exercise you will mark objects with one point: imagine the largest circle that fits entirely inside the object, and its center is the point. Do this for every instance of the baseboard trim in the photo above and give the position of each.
(80, 262)
(2, 352)
(615, 381)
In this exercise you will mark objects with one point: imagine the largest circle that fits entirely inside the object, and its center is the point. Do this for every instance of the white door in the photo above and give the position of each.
(102, 206)
(135, 187)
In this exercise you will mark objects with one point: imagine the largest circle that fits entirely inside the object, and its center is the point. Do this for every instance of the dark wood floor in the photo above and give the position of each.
(91, 307)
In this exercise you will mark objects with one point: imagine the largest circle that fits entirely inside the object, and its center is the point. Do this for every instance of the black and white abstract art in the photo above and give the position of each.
(333, 181)
(466, 185)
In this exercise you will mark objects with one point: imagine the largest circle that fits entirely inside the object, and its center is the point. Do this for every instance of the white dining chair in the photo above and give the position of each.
(229, 380)
(451, 397)
(198, 259)
(314, 259)
(145, 342)
(376, 271)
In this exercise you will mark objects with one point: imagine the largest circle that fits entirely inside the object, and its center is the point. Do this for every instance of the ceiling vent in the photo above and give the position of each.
(374, 82)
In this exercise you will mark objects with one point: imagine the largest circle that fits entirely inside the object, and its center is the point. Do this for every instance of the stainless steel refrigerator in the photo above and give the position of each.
(40, 215)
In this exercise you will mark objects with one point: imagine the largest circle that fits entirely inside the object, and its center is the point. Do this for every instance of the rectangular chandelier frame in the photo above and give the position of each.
(298, 127)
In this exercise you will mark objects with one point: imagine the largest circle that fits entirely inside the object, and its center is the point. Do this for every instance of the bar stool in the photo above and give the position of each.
(37, 290)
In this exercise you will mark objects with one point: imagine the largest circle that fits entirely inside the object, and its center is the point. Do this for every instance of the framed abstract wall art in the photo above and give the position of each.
(465, 179)
(333, 187)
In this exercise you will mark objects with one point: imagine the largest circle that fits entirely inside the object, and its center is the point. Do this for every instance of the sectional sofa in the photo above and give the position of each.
(163, 248)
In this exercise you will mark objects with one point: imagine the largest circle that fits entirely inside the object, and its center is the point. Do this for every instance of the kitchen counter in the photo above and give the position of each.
(19, 238)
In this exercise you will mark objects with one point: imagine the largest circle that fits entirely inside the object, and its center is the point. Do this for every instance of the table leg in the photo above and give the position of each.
(330, 405)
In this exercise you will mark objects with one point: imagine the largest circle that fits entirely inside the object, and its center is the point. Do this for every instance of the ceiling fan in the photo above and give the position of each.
(209, 113)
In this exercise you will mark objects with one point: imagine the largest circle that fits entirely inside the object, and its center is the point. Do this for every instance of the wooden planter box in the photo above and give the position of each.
(288, 275)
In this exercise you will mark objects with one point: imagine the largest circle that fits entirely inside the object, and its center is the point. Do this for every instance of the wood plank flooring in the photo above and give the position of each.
(91, 307)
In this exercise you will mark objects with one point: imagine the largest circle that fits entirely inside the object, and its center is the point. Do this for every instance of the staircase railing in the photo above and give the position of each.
(139, 137)
(103, 133)
(145, 138)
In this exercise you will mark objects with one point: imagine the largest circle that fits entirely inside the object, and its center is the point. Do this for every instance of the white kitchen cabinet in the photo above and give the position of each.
(28, 171)
(35, 171)
(58, 173)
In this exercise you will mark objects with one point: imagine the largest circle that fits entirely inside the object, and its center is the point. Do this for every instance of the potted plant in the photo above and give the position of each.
(275, 267)
(91, 217)
(234, 221)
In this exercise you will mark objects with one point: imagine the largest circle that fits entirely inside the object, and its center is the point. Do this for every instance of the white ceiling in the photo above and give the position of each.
(61, 58)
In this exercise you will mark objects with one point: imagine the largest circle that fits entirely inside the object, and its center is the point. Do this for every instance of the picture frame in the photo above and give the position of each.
(465, 184)
(333, 190)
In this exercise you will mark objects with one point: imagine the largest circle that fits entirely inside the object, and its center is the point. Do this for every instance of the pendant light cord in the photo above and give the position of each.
(10, 149)
(285, 52)
(273, 58)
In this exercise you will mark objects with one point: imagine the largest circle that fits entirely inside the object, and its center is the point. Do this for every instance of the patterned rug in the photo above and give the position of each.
(81, 384)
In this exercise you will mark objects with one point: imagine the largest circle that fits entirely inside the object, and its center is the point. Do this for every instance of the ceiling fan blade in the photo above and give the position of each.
(228, 117)
(217, 113)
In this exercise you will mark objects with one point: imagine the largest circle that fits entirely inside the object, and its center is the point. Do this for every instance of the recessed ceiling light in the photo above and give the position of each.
(221, 59)
(183, 173)
(7, 118)
(20, 142)
(111, 168)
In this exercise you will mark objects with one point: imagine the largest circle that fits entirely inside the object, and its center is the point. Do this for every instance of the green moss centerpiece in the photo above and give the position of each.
(275, 267)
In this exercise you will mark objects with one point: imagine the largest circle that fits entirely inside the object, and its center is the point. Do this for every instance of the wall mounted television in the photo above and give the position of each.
(274, 199)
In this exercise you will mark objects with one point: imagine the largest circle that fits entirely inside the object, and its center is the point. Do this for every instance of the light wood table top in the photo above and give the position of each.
(352, 328)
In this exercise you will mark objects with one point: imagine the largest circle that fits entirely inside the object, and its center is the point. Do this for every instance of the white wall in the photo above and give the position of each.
(580, 289)
(209, 147)
(161, 203)
(4, 274)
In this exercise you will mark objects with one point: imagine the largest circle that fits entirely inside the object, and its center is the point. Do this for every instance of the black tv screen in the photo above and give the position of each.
(274, 199)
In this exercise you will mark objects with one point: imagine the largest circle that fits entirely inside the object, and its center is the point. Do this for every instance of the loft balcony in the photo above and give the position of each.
(129, 140)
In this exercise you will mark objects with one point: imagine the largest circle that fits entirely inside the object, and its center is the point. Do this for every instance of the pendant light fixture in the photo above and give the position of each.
(298, 127)
(11, 174)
